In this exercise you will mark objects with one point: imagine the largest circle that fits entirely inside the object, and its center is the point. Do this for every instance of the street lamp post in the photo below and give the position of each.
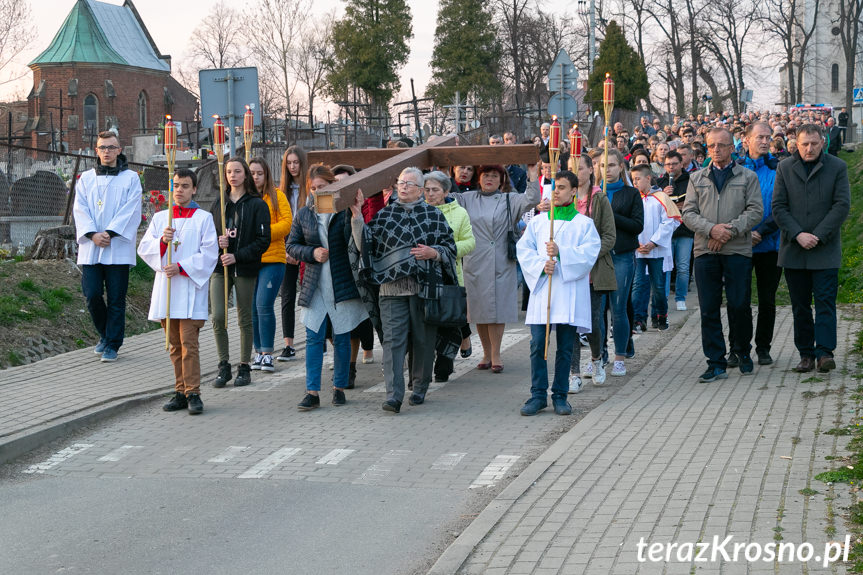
(589, 7)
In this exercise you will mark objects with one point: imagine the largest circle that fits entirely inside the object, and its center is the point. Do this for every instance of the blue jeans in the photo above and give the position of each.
(315, 357)
(566, 338)
(624, 271)
(109, 317)
(654, 284)
(682, 250)
(263, 317)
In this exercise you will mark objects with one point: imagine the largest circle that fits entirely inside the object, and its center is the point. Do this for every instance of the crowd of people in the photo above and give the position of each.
(597, 242)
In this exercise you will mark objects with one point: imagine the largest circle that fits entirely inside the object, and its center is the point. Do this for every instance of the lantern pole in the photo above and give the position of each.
(248, 131)
(170, 157)
(608, 105)
(554, 158)
(219, 145)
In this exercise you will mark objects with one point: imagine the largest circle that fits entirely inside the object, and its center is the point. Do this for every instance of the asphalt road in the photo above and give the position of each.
(255, 486)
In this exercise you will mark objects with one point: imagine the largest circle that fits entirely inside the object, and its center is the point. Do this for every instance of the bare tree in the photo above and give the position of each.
(510, 16)
(782, 19)
(216, 42)
(673, 47)
(311, 57)
(272, 27)
(848, 21)
(730, 23)
(16, 33)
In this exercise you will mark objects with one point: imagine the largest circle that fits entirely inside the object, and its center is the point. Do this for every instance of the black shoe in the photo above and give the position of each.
(288, 354)
(639, 327)
(196, 406)
(352, 376)
(392, 405)
(443, 368)
(309, 402)
(733, 360)
(712, 374)
(661, 323)
(416, 399)
(562, 407)
(338, 397)
(654, 322)
(178, 402)
(244, 375)
(746, 365)
(764, 358)
(224, 374)
(465, 353)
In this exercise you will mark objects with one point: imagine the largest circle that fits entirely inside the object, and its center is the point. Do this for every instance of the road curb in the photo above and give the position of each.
(25, 441)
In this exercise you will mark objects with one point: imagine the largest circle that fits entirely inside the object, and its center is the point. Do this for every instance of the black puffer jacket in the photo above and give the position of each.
(250, 216)
(302, 241)
(628, 218)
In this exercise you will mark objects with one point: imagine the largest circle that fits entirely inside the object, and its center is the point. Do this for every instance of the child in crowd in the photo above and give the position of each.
(194, 250)
(567, 259)
(654, 254)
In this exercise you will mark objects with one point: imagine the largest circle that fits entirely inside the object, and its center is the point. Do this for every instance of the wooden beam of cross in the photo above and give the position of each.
(380, 167)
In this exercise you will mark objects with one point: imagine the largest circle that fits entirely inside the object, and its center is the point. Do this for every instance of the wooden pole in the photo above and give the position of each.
(248, 132)
(170, 156)
(554, 158)
(608, 104)
(219, 144)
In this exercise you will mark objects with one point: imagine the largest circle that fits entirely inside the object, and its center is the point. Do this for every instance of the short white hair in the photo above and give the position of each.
(415, 172)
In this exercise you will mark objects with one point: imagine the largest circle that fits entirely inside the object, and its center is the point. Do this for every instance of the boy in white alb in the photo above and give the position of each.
(654, 253)
(194, 250)
(567, 260)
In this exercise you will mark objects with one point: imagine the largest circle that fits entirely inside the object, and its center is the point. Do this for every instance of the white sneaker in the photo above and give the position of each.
(599, 372)
(619, 369)
(681, 306)
(267, 363)
(587, 372)
(256, 364)
(575, 383)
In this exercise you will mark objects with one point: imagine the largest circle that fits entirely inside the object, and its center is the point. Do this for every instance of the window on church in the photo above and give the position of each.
(91, 113)
(834, 78)
(142, 111)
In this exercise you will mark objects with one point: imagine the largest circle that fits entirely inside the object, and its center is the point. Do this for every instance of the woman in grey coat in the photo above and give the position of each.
(489, 275)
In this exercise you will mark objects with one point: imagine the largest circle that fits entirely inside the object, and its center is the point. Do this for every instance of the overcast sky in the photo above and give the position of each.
(170, 23)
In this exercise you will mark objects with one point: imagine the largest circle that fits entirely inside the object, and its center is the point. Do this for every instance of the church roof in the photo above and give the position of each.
(102, 33)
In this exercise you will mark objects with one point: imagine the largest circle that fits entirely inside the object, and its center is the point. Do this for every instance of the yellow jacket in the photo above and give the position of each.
(280, 227)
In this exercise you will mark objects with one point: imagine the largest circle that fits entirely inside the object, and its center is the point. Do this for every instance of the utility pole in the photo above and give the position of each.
(588, 7)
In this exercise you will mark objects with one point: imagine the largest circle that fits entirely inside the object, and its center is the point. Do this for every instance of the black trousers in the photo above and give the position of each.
(734, 272)
(767, 276)
(813, 338)
(288, 292)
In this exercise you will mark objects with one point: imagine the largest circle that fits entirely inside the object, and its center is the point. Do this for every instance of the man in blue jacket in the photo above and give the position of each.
(765, 240)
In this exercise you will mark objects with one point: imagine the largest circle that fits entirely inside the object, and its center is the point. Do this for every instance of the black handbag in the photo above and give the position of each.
(450, 309)
(511, 235)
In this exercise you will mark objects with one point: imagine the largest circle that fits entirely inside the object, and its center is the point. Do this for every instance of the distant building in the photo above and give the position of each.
(107, 72)
(824, 71)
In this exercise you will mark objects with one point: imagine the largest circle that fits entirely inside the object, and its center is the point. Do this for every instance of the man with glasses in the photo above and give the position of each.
(723, 204)
(517, 175)
(107, 215)
(675, 183)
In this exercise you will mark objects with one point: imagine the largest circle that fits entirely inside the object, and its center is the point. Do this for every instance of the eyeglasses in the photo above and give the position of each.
(107, 148)
(405, 184)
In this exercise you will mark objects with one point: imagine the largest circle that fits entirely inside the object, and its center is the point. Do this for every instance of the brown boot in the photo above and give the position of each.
(806, 365)
(826, 363)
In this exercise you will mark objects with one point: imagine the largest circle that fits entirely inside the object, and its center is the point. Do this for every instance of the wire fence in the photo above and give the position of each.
(36, 191)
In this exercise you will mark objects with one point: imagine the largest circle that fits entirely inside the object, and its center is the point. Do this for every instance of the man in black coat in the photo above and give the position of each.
(811, 199)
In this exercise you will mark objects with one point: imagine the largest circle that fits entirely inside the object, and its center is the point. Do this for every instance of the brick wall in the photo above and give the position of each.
(128, 83)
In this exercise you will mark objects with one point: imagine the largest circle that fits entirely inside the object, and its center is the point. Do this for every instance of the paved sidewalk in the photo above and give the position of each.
(38, 405)
(668, 459)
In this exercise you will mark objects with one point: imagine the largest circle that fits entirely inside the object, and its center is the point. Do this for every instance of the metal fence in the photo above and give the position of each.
(36, 185)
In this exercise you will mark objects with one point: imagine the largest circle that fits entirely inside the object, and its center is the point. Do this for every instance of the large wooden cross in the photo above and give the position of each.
(381, 167)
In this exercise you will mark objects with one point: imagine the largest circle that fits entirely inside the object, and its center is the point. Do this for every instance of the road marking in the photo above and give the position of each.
(269, 463)
(494, 471)
(334, 457)
(120, 453)
(381, 468)
(59, 458)
(448, 461)
(510, 338)
(228, 454)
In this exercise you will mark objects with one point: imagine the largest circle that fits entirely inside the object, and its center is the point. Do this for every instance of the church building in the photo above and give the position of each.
(102, 71)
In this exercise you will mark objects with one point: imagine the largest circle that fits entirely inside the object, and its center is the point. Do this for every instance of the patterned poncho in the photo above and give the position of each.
(394, 231)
